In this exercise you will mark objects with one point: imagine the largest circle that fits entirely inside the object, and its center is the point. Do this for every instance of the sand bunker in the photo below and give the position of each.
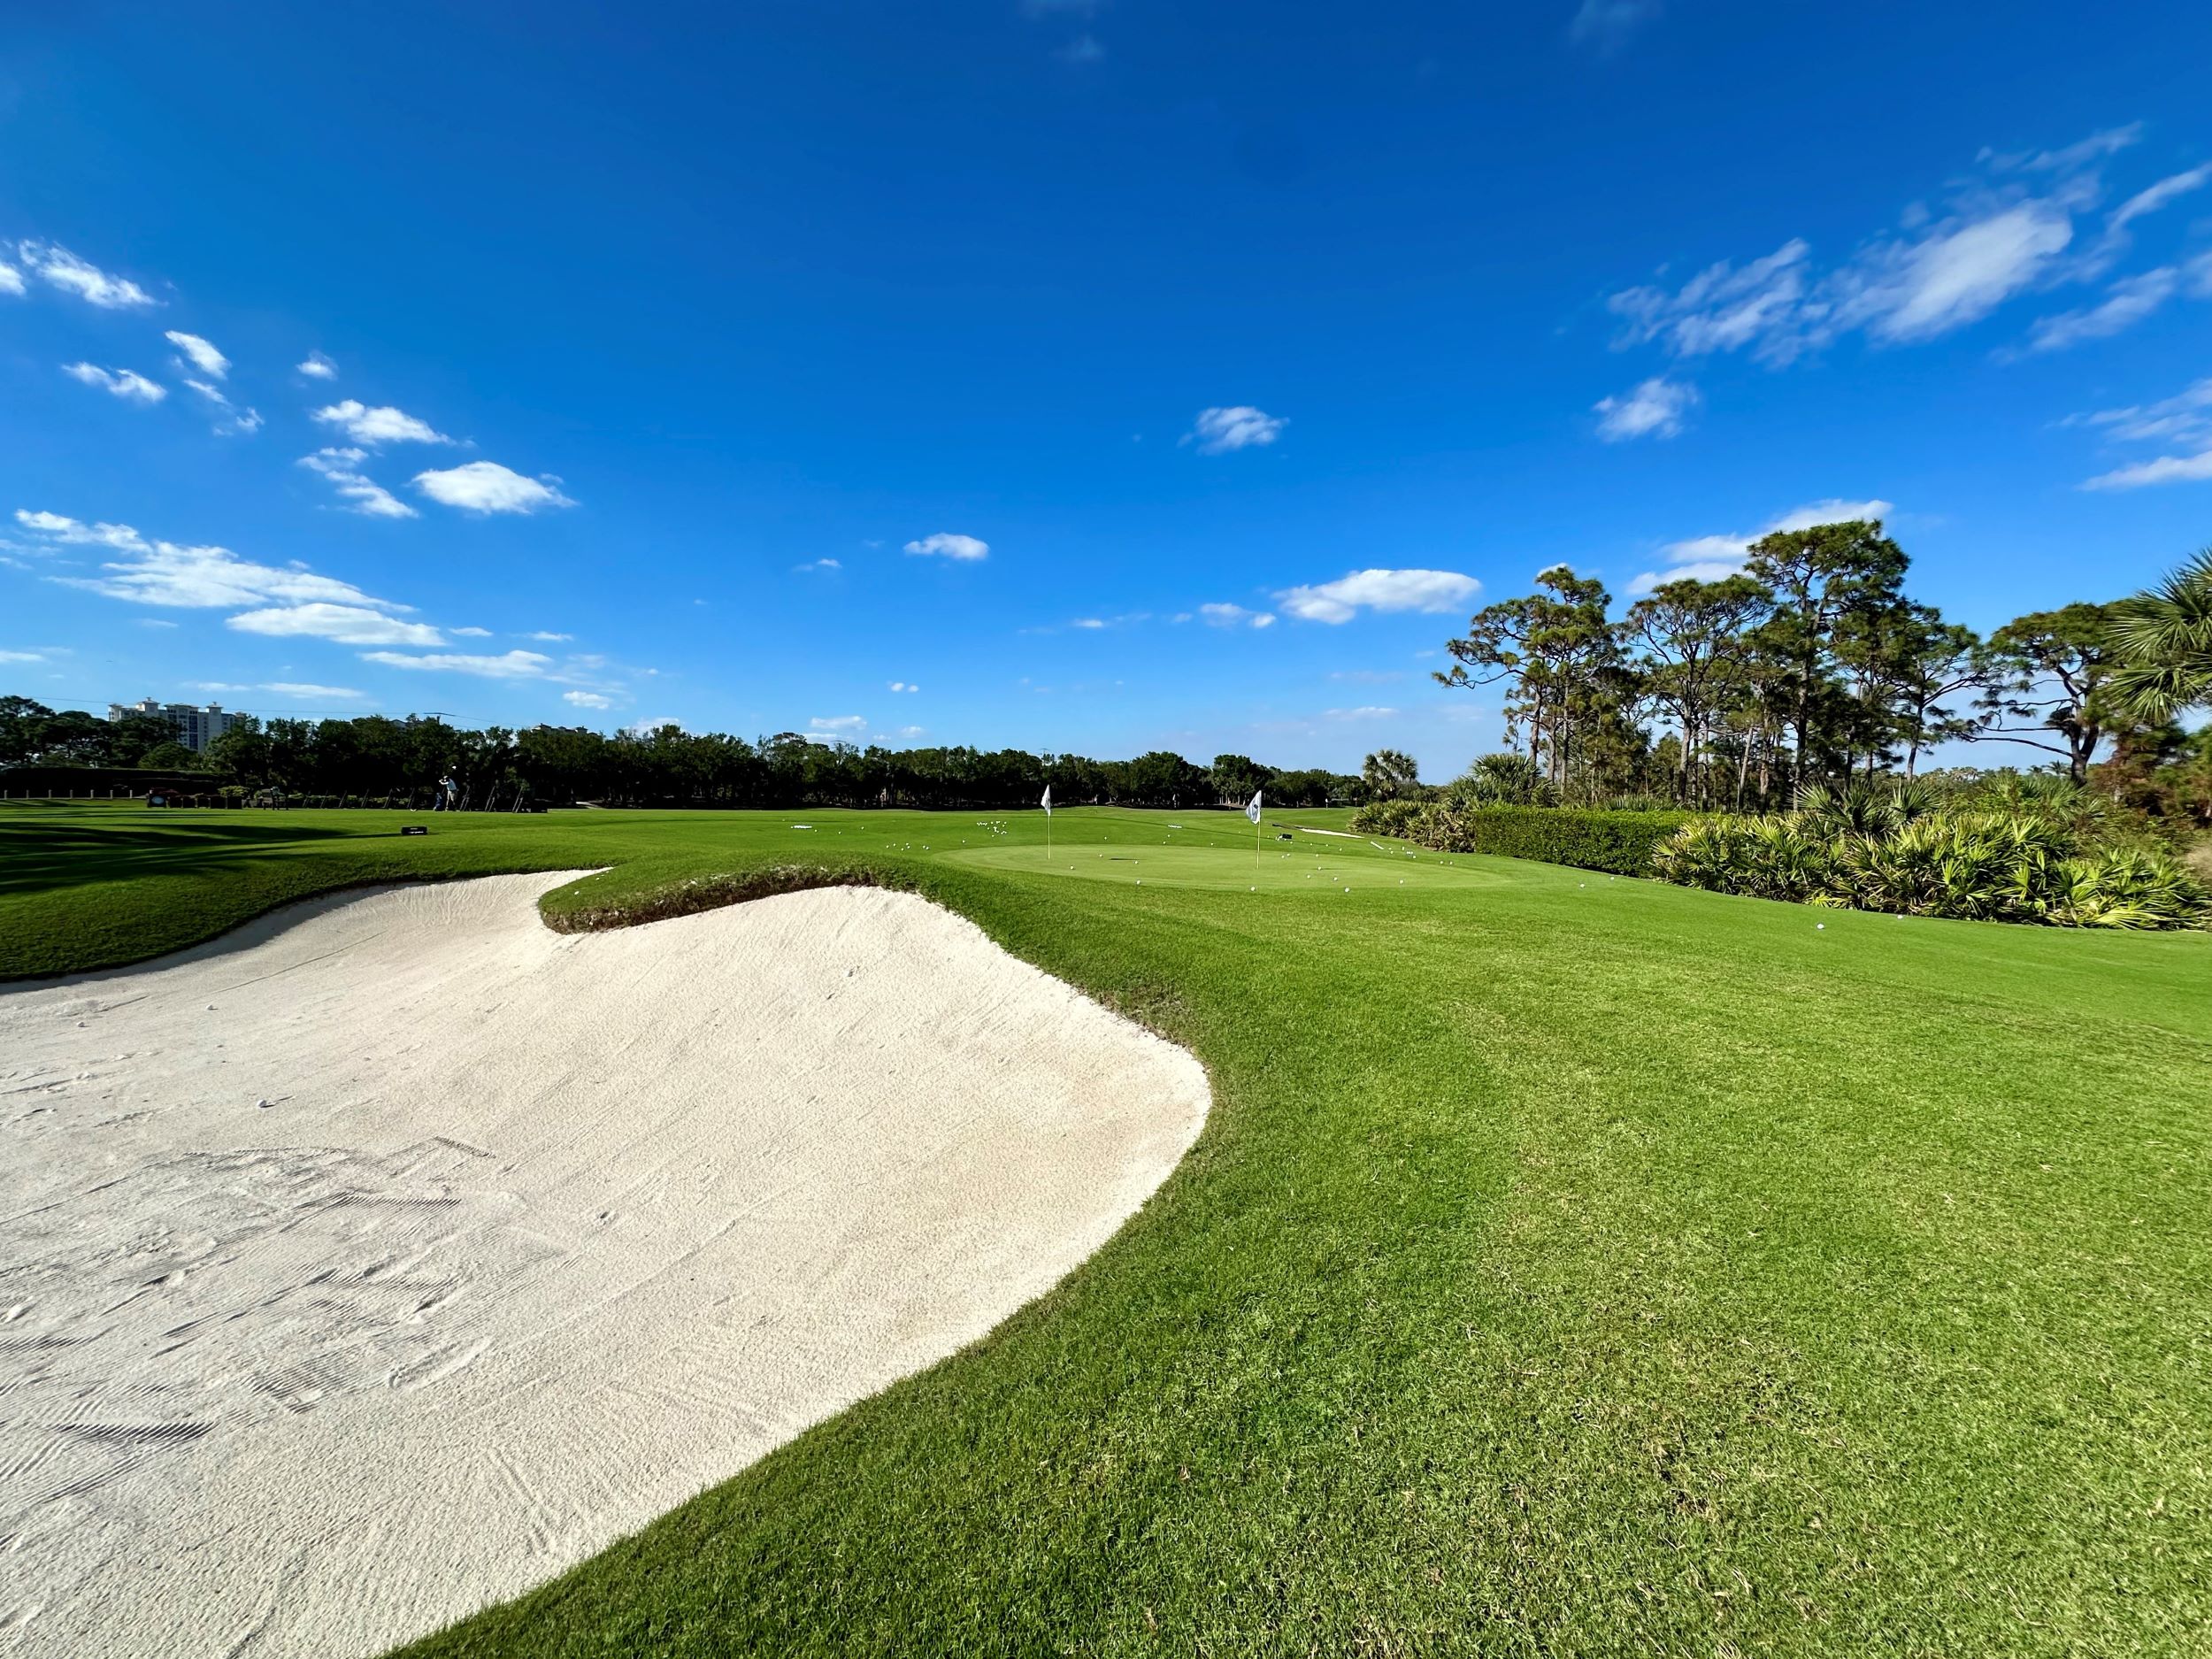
(399, 1254)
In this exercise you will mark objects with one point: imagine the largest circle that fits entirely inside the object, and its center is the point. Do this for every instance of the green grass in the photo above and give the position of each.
(1569, 1265)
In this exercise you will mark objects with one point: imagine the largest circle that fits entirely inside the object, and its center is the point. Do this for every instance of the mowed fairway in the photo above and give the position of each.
(1568, 1266)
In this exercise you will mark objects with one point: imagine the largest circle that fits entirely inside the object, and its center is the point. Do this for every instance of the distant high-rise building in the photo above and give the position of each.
(197, 728)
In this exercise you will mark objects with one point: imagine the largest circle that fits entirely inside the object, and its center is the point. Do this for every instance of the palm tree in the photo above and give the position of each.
(2163, 640)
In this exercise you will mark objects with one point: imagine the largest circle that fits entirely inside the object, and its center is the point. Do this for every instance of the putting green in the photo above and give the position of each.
(1203, 860)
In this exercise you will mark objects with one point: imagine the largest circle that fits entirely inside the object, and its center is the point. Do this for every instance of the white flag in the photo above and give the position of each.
(1252, 811)
(1047, 800)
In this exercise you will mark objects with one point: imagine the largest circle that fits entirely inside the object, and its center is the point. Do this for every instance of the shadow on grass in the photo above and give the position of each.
(35, 854)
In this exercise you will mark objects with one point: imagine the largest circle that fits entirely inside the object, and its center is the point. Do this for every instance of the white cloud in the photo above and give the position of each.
(2128, 302)
(317, 367)
(1707, 558)
(646, 728)
(2166, 469)
(510, 665)
(204, 357)
(486, 487)
(1653, 409)
(301, 688)
(2074, 157)
(1240, 426)
(2011, 231)
(901, 685)
(587, 699)
(1957, 273)
(845, 724)
(911, 731)
(945, 545)
(818, 564)
(1088, 622)
(1432, 591)
(2184, 417)
(157, 572)
(546, 638)
(382, 424)
(59, 268)
(10, 279)
(341, 468)
(123, 383)
(1606, 25)
(347, 625)
(1722, 308)
(1366, 711)
(22, 656)
(470, 633)
(1229, 615)
(2155, 198)
(235, 420)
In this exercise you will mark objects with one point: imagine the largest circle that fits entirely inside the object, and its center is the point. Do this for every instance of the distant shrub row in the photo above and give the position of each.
(1968, 865)
(1620, 843)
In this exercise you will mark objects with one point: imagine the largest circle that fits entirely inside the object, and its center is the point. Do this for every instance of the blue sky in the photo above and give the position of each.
(924, 373)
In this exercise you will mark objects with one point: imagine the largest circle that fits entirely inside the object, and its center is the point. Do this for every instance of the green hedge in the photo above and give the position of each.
(1620, 843)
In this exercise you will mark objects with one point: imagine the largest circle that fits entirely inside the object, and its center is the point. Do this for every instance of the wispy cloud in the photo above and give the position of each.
(818, 564)
(316, 366)
(379, 425)
(204, 357)
(1605, 25)
(2184, 420)
(2157, 195)
(843, 724)
(150, 571)
(1707, 558)
(904, 685)
(1240, 426)
(587, 699)
(508, 665)
(127, 384)
(234, 421)
(2009, 232)
(2126, 302)
(10, 279)
(2166, 469)
(486, 487)
(1340, 601)
(363, 494)
(1656, 408)
(346, 625)
(944, 544)
(2184, 417)
(59, 268)
(304, 688)
(1223, 615)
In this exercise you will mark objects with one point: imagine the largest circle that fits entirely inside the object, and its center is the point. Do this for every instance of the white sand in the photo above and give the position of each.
(398, 1254)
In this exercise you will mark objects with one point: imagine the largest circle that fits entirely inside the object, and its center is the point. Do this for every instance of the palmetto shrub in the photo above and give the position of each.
(1387, 818)
(1871, 855)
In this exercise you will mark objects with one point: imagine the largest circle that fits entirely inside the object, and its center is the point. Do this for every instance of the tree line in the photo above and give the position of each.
(377, 758)
(1813, 665)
